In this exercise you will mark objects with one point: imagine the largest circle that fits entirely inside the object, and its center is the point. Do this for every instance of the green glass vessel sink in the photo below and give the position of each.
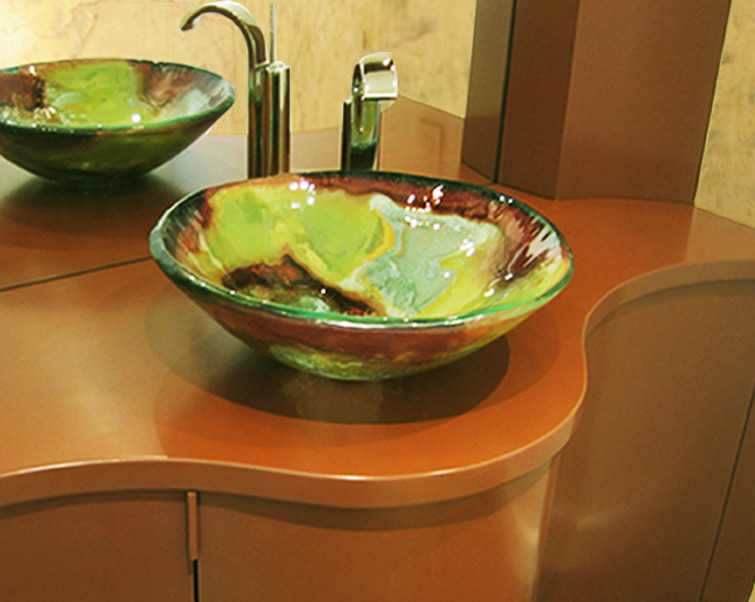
(361, 276)
(93, 120)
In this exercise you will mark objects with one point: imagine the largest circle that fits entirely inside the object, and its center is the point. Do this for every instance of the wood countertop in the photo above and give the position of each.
(113, 379)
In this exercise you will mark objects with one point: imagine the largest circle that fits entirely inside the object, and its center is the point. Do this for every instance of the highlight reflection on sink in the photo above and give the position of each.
(361, 276)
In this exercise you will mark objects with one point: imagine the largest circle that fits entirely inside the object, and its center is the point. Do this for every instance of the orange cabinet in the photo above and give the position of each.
(96, 547)
(644, 483)
(482, 547)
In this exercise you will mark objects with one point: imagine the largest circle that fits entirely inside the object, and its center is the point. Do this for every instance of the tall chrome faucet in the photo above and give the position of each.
(269, 91)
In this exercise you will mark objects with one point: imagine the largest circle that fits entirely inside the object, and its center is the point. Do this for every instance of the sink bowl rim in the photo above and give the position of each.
(228, 98)
(189, 281)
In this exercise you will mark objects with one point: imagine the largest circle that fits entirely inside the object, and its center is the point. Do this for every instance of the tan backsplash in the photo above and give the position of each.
(321, 40)
(727, 178)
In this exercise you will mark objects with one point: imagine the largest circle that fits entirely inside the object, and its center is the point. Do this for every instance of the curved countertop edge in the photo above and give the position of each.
(162, 474)
(667, 278)
(351, 491)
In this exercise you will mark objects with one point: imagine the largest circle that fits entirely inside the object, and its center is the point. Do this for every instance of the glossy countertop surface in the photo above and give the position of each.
(112, 378)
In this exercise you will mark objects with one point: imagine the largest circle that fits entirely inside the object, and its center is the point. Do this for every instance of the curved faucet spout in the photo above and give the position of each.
(243, 19)
(268, 91)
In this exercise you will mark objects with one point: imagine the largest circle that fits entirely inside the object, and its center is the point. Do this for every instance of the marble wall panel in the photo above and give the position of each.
(727, 177)
(321, 40)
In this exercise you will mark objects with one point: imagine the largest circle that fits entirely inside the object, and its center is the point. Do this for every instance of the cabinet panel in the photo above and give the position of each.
(483, 547)
(110, 546)
(642, 485)
(602, 98)
(732, 570)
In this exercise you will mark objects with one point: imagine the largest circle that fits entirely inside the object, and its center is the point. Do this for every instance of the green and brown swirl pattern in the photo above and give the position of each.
(362, 276)
(89, 118)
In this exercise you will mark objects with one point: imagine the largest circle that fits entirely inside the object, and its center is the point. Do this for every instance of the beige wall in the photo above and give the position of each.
(727, 178)
(321, 40)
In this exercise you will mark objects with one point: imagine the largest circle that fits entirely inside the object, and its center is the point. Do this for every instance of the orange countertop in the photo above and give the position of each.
(113, 379)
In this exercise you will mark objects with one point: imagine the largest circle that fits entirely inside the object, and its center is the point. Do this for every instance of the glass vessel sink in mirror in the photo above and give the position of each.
(361, 276)
(92, 120)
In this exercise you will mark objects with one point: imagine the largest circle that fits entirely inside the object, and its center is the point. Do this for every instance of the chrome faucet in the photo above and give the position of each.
(268, 93)
(374, 80)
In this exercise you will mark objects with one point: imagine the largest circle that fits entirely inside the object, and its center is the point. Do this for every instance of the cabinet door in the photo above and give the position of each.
(482, 547)
(100, 547)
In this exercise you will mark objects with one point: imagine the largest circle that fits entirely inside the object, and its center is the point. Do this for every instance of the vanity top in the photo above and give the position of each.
(113, 379)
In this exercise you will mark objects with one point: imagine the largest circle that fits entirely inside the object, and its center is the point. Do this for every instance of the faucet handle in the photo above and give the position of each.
(375, 77)
(373, 81)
